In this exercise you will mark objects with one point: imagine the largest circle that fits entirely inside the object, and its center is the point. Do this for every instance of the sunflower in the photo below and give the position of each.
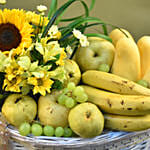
(15, 31)
(36, 19)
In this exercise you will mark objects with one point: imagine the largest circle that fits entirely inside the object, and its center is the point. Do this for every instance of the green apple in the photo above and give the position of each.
(50, 112)
(86, 120)
(98, 52)
(18, 109)
(73, 73)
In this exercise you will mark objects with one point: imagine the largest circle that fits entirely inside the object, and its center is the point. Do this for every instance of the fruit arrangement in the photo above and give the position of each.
(60, 81)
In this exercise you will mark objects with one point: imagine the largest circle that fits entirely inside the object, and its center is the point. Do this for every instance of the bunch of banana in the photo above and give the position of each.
(126, 104)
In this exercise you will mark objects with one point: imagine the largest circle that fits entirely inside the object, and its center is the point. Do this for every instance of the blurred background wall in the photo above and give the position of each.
(132, 15)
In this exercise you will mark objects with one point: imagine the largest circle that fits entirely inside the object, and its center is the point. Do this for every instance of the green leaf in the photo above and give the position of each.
(57, 13)
(36, 56)
(71, 19)
(85, 8)
(79, 22)
(52, 9)
(105, 29)
(92, 5)
(60, 11)
(99, 35)
(57, 85)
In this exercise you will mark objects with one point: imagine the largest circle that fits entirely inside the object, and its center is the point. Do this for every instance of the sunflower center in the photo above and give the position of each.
(10, 36)
(40, 82)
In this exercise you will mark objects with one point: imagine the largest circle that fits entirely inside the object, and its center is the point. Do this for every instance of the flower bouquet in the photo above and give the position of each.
(43, 101)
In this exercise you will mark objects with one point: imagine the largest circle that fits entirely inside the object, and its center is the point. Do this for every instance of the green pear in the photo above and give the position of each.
(98, 52)
(50, 112)
(73, 72)
(18, 109)
(86, 120)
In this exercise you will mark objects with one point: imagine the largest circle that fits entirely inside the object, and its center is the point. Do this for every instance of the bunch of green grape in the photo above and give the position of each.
(72, 95)
(37, 130)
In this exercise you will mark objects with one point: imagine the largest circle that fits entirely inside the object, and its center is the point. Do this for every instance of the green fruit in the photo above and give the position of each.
(18, 109)
(78, 91)
(48, 131)
(104, 68)
(99, 51)
(86, 120)
(67, 132)
(50, 112)
(24, 129)
(73, 73)
(71, 86)
(69, 103)
(143, 83)
(59, 131)
(36, 129)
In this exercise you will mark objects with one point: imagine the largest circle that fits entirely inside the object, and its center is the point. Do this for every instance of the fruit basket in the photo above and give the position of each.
(62, 88)
(107, 140)
(12, 140)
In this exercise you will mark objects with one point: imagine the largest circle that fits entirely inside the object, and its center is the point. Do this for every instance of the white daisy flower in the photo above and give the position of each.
(82, 38)
(3, 2)
(83, 41)
(41, 8)
(77, 33)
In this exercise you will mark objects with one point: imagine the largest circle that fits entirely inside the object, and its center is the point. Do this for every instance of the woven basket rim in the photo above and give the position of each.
(105, 137)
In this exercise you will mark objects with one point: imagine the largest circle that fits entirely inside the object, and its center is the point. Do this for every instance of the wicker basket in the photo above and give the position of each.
(10, 139)
(109, 140)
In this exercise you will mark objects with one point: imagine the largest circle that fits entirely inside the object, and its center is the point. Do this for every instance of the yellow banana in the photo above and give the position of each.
(113, 83)
(127, 123)
(118, 104)
(126, 62)
(117, 34)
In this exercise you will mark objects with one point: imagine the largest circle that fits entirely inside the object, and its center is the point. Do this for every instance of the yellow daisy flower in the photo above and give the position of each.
(15, 31)
(41, 85)
(12, 85)
(13, 70)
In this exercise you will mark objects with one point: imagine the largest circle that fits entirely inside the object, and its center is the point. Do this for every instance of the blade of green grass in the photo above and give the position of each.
(99, 35)
(71, 19)
(81, 21)
(86, 9)
(57, 13)
(92, 5)
(52, 9)
(105, 29)
(60, 11)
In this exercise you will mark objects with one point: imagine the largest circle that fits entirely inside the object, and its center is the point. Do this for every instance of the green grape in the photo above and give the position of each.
(104, 68)
(69, 103)
(59, 131)
(67, 132)
(61, 99)
(82, 98)
(78, 91)
(65, 90)
(24, 129)
(48, 130)
(143, 83)
(37, 129)
(71, 86)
